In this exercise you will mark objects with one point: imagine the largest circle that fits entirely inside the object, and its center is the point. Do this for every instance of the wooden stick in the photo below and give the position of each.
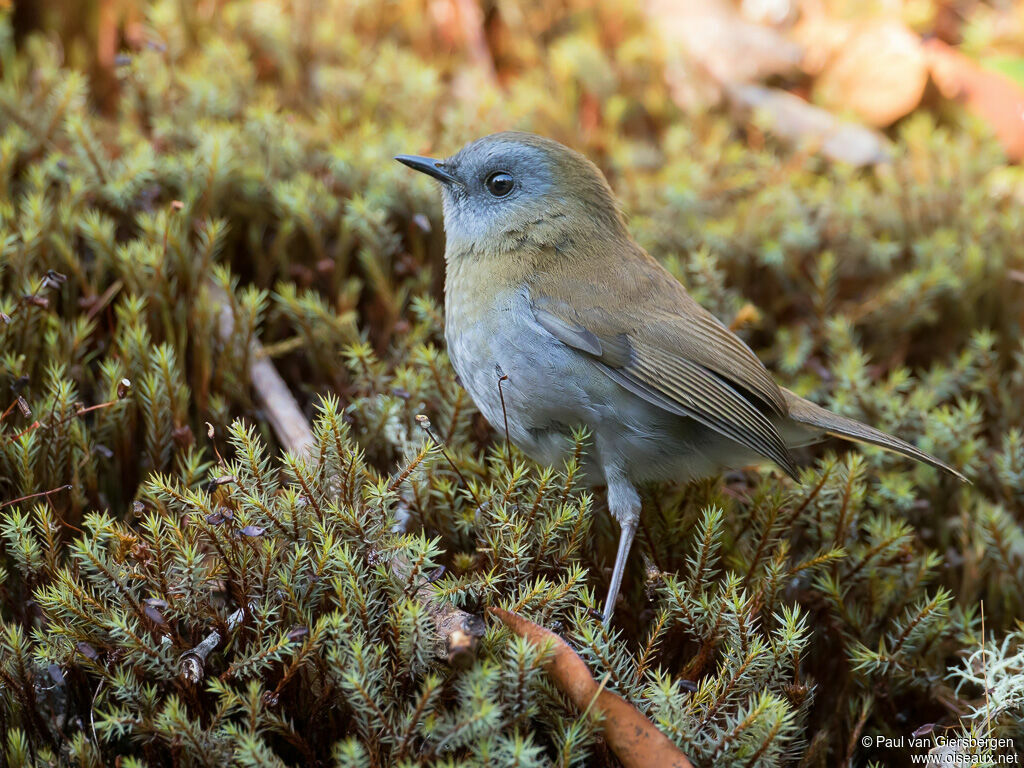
(283, 413)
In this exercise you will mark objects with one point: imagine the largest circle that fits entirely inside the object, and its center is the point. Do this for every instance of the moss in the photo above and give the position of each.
(766, 622)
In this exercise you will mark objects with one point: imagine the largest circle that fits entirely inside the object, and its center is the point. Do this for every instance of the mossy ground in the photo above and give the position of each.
(765, 622)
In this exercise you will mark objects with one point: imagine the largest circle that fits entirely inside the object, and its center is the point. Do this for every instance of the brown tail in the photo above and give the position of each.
(805, 412)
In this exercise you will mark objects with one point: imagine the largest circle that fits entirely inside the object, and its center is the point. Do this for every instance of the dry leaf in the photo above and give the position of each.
(711, 38)
(822, 37)
(634, 739)
(879, 74)
(992, 96)
(796, 122)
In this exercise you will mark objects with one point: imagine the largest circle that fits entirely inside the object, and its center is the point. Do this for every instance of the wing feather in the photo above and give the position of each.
(670, 381)
(714, 403)
(702, 338)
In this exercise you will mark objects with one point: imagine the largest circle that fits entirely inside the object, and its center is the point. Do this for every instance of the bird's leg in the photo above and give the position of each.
(624, 505)
(628, 530)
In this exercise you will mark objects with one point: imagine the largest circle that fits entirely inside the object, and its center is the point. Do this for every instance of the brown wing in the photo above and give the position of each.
(658, 343)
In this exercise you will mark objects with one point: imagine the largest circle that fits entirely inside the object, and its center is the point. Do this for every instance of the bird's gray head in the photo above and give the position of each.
(510, 191)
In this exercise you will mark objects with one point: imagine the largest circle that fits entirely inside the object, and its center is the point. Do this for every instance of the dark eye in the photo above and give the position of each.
(499, 183)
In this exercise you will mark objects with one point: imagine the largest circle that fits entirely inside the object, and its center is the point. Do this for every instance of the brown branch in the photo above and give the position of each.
(633, 738)
(36, 495)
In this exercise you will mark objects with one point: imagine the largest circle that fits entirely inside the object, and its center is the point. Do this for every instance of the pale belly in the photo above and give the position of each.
(551, 388)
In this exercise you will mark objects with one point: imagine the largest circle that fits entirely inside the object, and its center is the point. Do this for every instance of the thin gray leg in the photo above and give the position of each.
(624, 504)
(628, 530)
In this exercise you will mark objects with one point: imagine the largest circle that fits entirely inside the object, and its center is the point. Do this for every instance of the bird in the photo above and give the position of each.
(555, 319)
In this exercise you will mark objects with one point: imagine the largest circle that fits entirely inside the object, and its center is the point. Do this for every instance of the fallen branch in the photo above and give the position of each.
(634, 739)
(283, 413)
(803, 125)
(703, 70)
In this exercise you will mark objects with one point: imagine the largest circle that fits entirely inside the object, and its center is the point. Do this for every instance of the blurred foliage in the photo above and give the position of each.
(766, 623)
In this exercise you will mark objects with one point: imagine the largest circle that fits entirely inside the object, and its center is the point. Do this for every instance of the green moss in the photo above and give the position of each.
(766, 623)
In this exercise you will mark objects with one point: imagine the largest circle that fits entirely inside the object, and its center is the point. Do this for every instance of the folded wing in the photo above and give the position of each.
(651, 361)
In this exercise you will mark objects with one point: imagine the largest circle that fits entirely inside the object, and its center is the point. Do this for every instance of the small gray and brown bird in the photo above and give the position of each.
(545, 286)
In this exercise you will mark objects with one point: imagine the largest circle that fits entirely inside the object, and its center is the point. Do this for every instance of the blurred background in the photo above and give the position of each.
(871, 62)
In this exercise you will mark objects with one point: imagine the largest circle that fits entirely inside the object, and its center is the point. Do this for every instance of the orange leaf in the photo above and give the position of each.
(990, 95)
(878, 73)
(634, 739)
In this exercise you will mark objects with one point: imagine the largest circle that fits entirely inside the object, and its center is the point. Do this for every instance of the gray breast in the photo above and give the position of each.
(507, 348)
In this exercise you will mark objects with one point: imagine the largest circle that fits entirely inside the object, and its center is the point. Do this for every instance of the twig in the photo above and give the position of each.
(35, 495)
(857, 729)
(100, 304)
(9, 408)
(17, 435)
(504, 413)
(984, 654)
(80, 410)
(92, 712)
(192, 663)
(283, 413)
(424, 422)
